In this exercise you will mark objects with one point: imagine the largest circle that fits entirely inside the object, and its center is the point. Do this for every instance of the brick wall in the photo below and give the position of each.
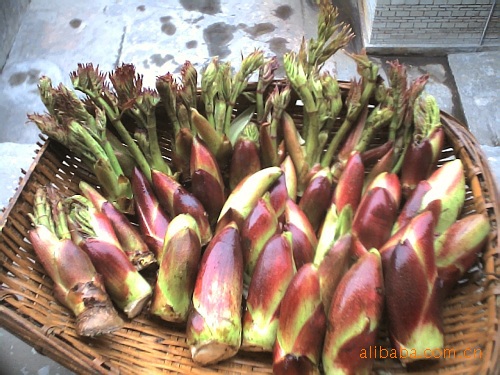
(447, 24)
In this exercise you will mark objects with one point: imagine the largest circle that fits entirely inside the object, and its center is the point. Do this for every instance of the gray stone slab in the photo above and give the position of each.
(493, 157)
(478, 81)
(159, 38)
(14, 158)
(11, 14)
(67, 33)
(52, 39)
(19, 358)
(19, 93)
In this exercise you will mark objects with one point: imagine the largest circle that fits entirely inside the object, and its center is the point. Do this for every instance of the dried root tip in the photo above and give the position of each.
(212, 352)
(98, 320)
(98, 315)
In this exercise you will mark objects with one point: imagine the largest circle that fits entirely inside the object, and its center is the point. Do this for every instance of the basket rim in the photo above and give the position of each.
(470, 149)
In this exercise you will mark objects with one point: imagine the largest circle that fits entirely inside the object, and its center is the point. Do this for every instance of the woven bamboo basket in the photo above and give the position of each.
(146, 345)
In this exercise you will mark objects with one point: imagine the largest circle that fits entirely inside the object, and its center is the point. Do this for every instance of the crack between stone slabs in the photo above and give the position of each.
(120, 48)
(495, 142)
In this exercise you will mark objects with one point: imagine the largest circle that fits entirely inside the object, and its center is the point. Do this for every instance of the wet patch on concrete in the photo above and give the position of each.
(477, 80)
(159, 60)
(30, 77)
(75, 23)
(195, 20)
(167, 27)
(283, 11)
(259, 29)
(192, 44)
(17, 79)
(278, 45)
(217, 36)
(141, 8)
(202, 6)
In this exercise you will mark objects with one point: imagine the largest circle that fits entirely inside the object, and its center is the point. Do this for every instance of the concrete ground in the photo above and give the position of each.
(158, 37)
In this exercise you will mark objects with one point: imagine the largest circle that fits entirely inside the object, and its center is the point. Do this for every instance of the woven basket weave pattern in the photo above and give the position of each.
(147, 345)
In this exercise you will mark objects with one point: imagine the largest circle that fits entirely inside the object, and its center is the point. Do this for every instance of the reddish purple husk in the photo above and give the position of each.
(274, 269)
(413, 297)
(377, 211)
(214, 324)
(354, 317)
(130, 240)
(299, 338)
(316, 197)
(77, 285)
(94, 233)
(178, 269)
(153, 221)
(458, 247)
(176, 199)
